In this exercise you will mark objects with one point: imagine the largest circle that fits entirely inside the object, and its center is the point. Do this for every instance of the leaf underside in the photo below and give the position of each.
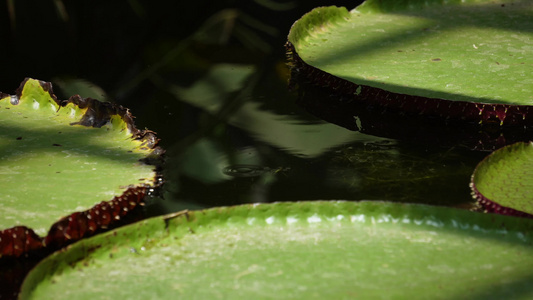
(503, 182)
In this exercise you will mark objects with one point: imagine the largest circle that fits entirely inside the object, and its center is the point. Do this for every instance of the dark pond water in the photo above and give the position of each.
(210, 78)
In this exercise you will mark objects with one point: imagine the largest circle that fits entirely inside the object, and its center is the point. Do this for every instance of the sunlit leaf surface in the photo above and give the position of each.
(306, 250)
(51, 165)
(464, 50)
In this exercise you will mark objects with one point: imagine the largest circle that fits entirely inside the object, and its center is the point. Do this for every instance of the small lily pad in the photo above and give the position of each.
(503, 181)
(302, 250)
(60, 157)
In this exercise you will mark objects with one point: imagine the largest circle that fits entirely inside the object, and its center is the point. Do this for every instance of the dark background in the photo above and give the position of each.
(109, 43)
(128, 52)
(121, 47)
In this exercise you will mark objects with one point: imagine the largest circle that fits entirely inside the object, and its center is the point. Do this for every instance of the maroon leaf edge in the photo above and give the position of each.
(482, 113)
(489, 206)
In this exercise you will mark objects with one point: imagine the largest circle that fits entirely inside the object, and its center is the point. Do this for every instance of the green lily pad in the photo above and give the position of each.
(301, 250)
(503, 181)
(59, 157)
(463, 59)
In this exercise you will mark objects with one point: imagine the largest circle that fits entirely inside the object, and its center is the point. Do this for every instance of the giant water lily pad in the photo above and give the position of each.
(302, 250)
(469, 60)
(503, 181)
(60, 157)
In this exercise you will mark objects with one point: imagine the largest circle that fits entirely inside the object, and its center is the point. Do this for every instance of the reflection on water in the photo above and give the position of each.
(250, 170)
(235, 135)
(214, 88)
(256, 145)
